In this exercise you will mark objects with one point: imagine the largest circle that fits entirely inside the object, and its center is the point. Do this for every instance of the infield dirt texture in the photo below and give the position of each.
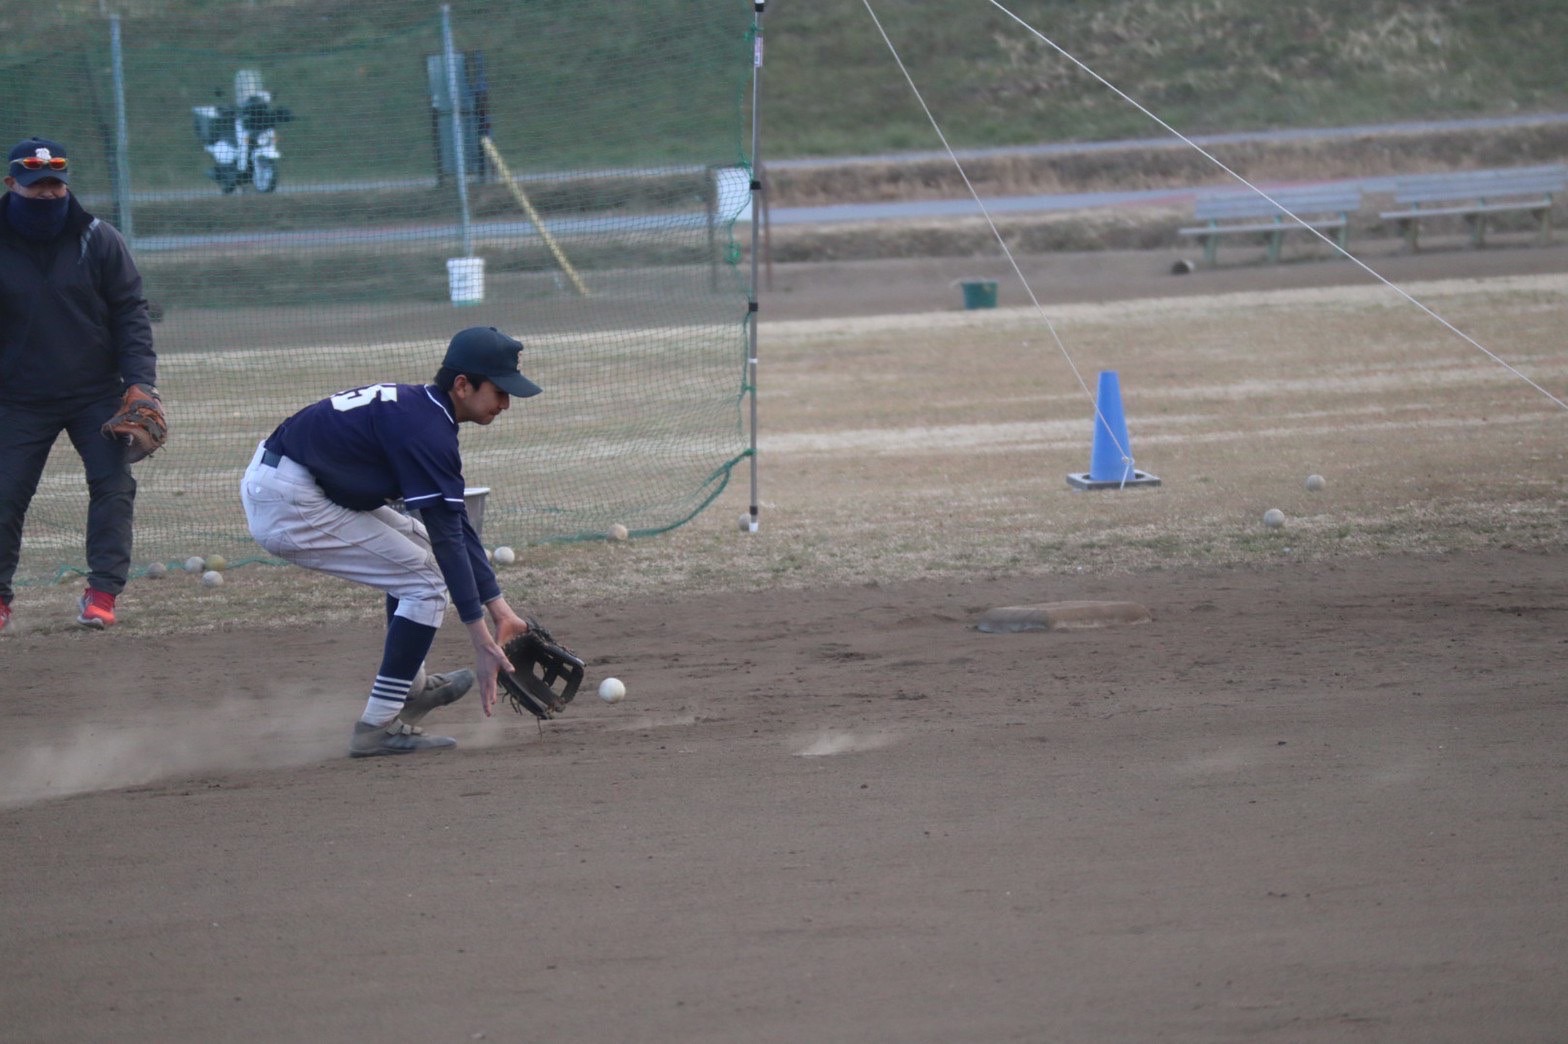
(1318, 798)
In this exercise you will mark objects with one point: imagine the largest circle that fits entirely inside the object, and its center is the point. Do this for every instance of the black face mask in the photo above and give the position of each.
(38, 220)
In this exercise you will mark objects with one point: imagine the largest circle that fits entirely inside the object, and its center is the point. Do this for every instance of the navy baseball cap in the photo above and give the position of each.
(36, 159)
(488, 352)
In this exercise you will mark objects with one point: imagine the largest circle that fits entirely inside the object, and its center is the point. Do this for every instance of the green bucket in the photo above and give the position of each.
(979, 293)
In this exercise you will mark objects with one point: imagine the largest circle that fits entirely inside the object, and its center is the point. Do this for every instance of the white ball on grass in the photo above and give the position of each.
(211, 578)
(1273, 518)
(157, 571)
(618, 532)
(195, 564)
(505, 555)
(1315, 483)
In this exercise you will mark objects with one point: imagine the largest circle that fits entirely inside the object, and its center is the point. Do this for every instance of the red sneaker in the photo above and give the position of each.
(5, 614)
(97, 609)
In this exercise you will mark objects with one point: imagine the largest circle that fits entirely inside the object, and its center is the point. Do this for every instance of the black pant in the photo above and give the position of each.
(27, 433)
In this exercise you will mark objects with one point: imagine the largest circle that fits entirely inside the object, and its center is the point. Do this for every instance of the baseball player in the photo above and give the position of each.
(316, 493)
(75, 337)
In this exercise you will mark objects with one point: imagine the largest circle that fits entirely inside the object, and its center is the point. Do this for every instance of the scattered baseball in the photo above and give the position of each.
(211, 578)
(611, 690)
(745, 523)
(195, 564)
(618, 532)
(1273, 518)
(1314, 483)
(505, 555)
(156, 571)
(217, 562)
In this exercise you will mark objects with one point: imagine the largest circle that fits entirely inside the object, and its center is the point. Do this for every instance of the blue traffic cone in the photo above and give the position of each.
(1110, 458)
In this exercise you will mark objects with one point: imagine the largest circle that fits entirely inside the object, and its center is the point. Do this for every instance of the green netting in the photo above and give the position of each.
(609, 246)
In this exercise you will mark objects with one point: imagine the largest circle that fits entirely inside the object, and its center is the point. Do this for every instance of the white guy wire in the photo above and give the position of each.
(1099, 418)
(1327, 239)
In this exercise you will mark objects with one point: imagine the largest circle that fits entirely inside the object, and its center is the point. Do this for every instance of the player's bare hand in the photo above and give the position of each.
(490, 661)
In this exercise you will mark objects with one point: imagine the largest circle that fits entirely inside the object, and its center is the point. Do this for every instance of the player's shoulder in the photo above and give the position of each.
(429, 399)
(391, 397)
(420, 407)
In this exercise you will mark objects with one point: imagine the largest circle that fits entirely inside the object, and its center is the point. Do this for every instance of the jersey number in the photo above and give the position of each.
(349, 400)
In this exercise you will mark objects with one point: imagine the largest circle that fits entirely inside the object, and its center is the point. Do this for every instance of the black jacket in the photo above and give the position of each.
(73, 322)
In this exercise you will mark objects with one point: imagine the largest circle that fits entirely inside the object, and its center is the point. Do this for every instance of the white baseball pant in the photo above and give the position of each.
(292, 518)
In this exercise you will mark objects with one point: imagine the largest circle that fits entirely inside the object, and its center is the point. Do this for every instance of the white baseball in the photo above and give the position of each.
(1314, 483)
(156, 570)
(211, 578)
(611, 690)
(618, 532)
(195, 564)
(505, 555)
(1273, 518)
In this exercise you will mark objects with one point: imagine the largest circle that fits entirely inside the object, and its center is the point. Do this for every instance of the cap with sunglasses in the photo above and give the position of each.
(38, 158)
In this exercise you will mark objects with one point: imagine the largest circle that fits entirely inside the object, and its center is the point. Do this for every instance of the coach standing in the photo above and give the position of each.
(74, 336)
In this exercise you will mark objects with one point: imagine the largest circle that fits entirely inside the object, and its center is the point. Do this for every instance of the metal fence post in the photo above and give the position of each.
(122, 161)
(459, 160)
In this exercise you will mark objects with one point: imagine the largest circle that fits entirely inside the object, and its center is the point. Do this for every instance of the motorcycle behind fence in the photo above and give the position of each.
(242, 139)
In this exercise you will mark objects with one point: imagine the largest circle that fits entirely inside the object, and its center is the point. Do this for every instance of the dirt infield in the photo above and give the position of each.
(1310, 800)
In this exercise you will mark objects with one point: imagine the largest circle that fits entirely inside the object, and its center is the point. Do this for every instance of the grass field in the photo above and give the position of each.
(937, 445)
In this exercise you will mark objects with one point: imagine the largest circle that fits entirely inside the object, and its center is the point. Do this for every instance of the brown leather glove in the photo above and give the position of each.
(140, 423)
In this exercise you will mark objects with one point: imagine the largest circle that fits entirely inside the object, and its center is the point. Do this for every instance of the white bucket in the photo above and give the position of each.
(474, 504)
(466, 278)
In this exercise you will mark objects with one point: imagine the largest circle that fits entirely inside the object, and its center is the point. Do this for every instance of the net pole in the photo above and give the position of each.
(758, 8)
(122, 165)
(459, 161)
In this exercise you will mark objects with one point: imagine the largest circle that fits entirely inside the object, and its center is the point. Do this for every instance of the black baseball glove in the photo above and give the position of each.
(546, 676)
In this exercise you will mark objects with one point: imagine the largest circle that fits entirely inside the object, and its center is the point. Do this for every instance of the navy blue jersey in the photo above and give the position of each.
(369, 445)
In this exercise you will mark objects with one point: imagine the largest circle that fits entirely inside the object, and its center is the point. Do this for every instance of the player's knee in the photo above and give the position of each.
(426, 607)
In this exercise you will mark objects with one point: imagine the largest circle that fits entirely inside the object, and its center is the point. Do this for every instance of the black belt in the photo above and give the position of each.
(271, 459)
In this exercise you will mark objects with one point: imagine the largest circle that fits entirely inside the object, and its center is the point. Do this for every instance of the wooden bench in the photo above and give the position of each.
(1476, 195)
(1326, 208)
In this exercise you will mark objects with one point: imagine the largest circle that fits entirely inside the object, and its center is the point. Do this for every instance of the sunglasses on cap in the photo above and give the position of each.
(34, 163)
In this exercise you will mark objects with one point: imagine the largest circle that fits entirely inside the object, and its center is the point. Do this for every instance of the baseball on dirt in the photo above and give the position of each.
(505, 555)
(1273, 518)
(211, 578)
(195, 564)
(618, 532)
(1314, 483)
(156, 570)
(217, 562)
(611, 690)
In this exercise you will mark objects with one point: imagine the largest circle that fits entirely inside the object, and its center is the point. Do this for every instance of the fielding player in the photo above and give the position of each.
(316, 494)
